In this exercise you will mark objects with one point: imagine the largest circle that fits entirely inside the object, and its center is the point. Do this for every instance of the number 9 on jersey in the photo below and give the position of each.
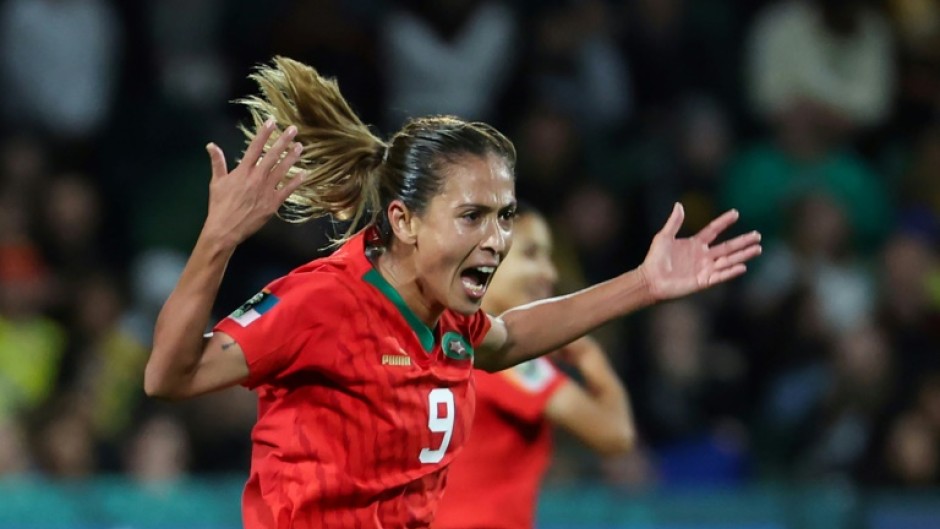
(439, 424)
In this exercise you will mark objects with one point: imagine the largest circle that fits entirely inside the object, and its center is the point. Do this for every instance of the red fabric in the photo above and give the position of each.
(342, 417)
(494, 483)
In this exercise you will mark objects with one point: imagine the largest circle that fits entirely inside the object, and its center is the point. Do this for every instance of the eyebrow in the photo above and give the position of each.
(484, 207)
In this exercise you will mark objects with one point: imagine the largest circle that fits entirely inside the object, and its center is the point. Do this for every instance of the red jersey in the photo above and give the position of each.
(361, 406)
(495, 481)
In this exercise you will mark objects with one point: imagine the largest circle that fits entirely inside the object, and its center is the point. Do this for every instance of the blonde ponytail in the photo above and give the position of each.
(340, 153)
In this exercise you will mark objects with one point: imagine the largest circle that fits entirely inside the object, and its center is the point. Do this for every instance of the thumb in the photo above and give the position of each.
(674, 222)
(217, 158)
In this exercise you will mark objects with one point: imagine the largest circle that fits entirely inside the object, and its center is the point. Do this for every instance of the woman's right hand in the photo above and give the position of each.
(241, 201)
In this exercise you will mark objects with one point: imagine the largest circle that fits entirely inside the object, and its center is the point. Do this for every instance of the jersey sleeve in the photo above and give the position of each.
(524, 390)
(476, 327)
(276, 327)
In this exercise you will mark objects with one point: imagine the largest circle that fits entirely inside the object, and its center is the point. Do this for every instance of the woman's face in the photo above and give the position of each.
(464, 233)
(528, 273)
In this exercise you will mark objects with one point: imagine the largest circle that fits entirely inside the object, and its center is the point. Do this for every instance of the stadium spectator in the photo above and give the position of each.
(447, 58)
(52, 44)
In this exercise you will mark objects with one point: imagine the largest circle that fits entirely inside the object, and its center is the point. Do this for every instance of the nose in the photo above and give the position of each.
(497, 239)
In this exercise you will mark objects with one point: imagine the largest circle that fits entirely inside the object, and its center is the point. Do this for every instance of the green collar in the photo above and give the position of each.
(425, 336)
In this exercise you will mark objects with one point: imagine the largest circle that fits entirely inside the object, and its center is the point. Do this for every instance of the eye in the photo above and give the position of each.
(507, 215)
(472, 216)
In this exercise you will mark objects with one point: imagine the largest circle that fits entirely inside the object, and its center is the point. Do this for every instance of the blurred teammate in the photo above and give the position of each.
(495, 481)
(362, 361)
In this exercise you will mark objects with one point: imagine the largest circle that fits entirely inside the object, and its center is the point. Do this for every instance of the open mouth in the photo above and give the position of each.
(476, 279)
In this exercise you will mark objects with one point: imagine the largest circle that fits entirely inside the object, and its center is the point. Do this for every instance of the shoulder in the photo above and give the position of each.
(320, 283)
(451, 319)
(534, 375)
(473, 327)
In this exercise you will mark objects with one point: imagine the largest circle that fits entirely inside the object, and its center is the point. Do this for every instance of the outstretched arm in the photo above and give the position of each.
(599, 414)
(673, 268)
(182, 362)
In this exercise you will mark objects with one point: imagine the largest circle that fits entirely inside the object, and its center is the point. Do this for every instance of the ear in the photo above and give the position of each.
(403, 222)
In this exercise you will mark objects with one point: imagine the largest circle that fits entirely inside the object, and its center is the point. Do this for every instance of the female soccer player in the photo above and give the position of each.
(494, 482)
(362, 360)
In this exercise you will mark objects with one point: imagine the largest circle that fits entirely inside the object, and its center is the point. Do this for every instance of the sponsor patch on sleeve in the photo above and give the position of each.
(254, 308)
(533, 375)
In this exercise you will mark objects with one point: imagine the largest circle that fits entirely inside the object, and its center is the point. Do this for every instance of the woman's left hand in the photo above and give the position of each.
(676, 267)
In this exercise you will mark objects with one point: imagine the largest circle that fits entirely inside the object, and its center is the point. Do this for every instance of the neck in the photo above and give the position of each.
(399, 271)
(492, 307)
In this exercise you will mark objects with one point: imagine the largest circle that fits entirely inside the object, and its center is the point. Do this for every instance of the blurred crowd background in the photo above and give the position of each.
(819, 120)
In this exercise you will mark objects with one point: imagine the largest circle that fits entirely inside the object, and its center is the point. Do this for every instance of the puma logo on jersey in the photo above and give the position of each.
(396, 360)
